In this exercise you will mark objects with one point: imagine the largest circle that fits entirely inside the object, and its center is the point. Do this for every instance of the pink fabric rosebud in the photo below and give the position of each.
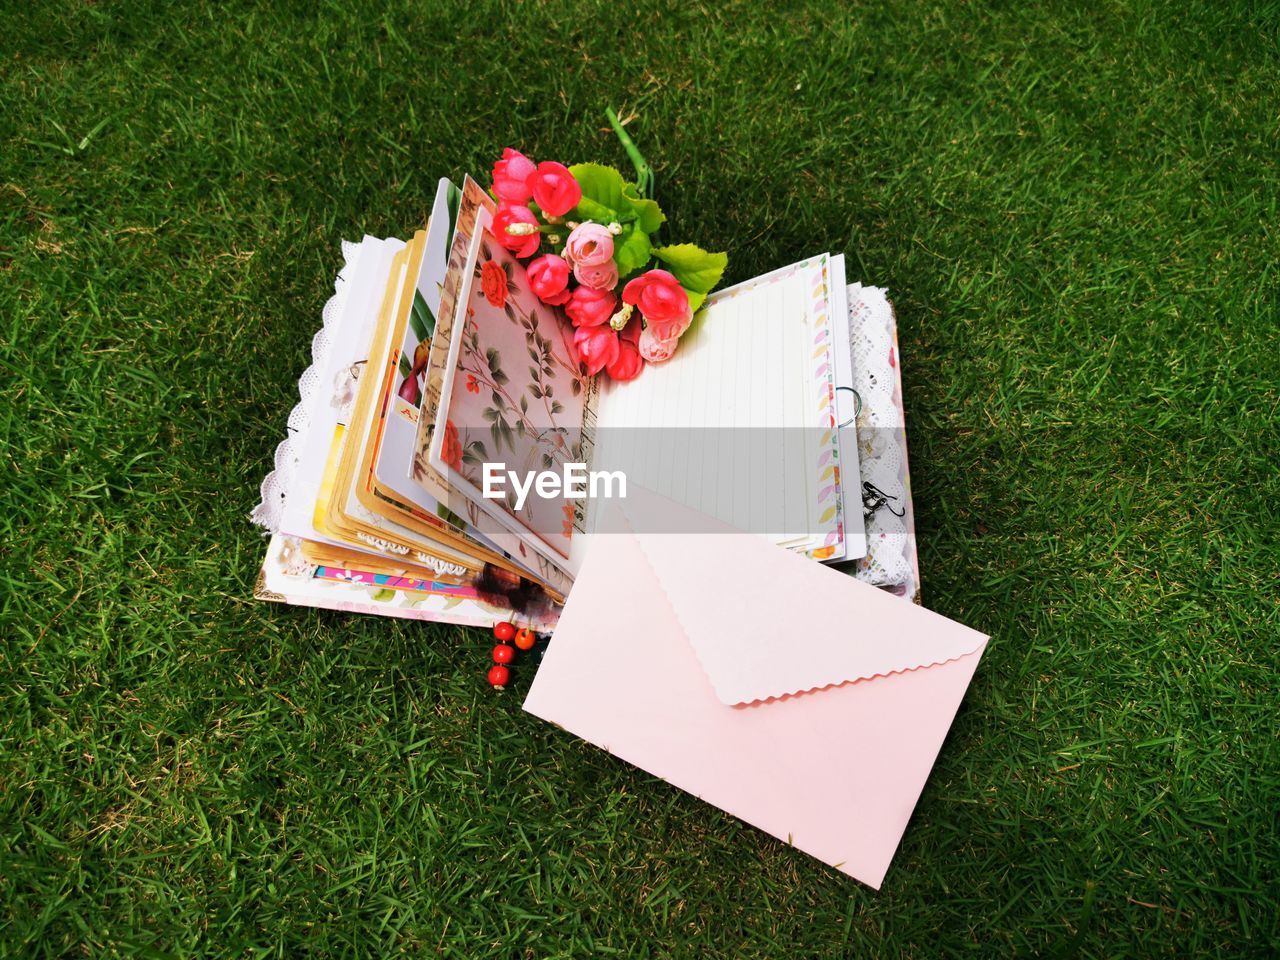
(597, 347)
(654, 350)
(554, 189)
(662, 301)
(549, 278)
(511, 177)
(589, 307)
(589, 245)
(525, 242)
(600, 276)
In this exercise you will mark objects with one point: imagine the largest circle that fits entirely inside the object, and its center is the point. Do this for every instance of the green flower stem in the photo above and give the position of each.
(644, 172)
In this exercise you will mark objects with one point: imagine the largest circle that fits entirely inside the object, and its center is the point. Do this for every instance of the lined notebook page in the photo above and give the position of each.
(732, 424)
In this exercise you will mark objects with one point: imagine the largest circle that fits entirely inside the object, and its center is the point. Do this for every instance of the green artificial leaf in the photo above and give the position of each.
(601, 188)
(631, 249)
(695, 300)
(648, 214)
(589, 209)
(697, 270)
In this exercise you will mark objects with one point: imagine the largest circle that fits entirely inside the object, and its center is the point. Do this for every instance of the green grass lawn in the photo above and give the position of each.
(1076, 214)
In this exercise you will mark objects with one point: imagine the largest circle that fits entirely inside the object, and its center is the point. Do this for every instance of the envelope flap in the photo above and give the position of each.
(767, 623)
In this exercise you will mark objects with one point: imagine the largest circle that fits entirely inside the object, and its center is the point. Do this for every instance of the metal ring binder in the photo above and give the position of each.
(857, 405)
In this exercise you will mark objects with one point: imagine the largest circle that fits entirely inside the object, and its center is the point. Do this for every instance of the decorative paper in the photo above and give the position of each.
(514, 393)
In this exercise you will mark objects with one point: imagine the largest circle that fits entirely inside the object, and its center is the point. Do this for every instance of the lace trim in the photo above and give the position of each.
(882, 446)
(276, 485)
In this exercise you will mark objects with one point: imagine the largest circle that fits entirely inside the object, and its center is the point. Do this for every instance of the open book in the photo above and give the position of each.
(449, 455)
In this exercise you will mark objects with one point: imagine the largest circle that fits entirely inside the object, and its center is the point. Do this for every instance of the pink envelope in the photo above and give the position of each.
(788, 694)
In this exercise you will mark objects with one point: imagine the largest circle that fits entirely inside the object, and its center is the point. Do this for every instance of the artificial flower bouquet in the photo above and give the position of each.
(588, 238)
(395, 489)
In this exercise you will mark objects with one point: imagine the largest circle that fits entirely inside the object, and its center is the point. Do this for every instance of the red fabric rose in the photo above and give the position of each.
(452, 452)
(662, 300)
(597, 347)
(511, 214)
(589, 307)
(549, 278)
(493, 281)
(629, 362)
(554, 189)
(511, 177)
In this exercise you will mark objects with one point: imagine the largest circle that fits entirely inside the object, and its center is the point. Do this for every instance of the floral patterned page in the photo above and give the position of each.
(514, 395)
(474, 200)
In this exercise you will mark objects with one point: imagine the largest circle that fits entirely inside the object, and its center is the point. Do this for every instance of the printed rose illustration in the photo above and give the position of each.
(452, 452)
(493, 281)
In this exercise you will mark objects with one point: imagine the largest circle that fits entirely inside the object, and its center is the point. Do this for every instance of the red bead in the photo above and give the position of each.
(504, 631)
(525, 639)
(498, 676)
(503, 653)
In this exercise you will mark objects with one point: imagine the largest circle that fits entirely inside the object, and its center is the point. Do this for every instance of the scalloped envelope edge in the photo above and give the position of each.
(752, 678)
(785, 647)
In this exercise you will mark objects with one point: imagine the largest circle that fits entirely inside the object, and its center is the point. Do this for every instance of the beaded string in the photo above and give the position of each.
(513, 644)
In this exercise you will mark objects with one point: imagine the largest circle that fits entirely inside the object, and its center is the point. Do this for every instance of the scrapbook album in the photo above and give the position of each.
(440, 379)
(529, 415)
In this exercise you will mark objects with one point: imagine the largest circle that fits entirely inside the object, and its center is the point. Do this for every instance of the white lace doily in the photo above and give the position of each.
(882, 454)
(276, 484)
